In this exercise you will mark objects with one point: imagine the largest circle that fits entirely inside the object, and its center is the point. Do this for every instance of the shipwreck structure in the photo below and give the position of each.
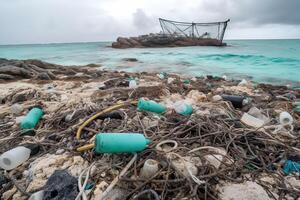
(174, 34)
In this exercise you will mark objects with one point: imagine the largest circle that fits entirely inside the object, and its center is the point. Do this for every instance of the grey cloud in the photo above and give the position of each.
(36, 21)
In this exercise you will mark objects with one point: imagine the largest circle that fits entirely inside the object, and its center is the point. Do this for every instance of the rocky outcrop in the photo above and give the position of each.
(39, 70)
(163, 40)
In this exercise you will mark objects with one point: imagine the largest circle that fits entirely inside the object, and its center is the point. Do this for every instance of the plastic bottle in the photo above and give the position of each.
(237, 101)
(183, 108)
(151, 106)
(149, 169)
(285, 118)
(14, 157)
(132, 84)
(120, 142)
(37, 195)
(32, 118)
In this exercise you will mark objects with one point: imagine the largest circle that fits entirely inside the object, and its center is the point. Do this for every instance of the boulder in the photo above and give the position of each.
(163, 40)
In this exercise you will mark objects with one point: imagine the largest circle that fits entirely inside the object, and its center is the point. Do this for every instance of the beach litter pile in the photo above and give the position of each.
(88, 133)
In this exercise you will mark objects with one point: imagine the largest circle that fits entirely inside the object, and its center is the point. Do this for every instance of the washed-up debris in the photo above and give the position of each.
(120, 142)
(60, 186)
(151, 106)
(14, 157)
(90, 123)
(32, 118)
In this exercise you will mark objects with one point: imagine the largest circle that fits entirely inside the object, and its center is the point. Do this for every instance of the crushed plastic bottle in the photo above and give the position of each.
(183, 108)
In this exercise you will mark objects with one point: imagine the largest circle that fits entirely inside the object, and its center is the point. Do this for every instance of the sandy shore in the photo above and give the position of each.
(237, 161)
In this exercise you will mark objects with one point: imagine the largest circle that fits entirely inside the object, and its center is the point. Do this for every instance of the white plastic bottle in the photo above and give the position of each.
(14, 157)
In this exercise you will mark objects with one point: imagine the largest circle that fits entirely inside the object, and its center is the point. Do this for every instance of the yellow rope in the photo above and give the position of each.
(107, 110)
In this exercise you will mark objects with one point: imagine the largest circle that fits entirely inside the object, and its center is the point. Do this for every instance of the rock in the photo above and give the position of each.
(15, 71)
(6, 77)
(130, 59)
(43, 76)
(163, 40)
(44, 166)
(246, 191)
(16, 108)
(60, 186)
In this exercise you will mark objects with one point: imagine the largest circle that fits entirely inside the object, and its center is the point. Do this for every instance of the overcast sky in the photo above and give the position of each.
(47, 21)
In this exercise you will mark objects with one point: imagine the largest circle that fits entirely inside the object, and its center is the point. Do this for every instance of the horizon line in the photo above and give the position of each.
(49, 43)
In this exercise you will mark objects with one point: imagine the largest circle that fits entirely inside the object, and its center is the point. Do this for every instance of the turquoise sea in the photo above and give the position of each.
(271, 61)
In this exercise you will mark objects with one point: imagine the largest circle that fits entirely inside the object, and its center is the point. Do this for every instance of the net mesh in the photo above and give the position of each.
(214, 30)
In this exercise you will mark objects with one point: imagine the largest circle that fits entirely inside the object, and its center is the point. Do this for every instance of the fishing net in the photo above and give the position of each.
(214, 30)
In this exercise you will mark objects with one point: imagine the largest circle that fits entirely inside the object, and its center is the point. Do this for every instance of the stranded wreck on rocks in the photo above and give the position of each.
(176, 34)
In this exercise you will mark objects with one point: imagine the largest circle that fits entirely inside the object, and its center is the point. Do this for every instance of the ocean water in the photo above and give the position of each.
(270, 61)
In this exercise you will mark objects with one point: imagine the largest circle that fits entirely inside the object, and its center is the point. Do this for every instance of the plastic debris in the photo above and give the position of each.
(285, 118)
(291, 167)
(120, 142)
(32, 118)
(14, 157)
(60, 186)
(150, 168)
(183, 108)
(252, 121)
(237, 101)
(151, 106)
(132, 84)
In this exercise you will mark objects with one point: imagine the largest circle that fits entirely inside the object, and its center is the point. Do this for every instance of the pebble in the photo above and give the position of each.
(60, 151)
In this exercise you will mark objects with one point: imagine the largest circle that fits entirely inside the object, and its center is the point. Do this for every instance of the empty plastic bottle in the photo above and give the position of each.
(120, 142)
(14, 157)
(183, 108)
(237, 101)
(151, 106)
(32, 118)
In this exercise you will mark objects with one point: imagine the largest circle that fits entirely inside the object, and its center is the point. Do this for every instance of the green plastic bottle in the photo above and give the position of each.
(32, 118)
(120, 142)
(151, 106)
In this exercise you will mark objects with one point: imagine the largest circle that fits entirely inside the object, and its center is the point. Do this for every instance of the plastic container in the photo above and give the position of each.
(14, 157)
(32, 118)
(183, 108)
(285, 118)
(151, 106)
(120, 142)
(132, 84)
(149, 169)
(37, 195)
(237, 101)
(252, 121)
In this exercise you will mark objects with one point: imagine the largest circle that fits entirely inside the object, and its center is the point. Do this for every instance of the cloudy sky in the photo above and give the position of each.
(47, 21)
